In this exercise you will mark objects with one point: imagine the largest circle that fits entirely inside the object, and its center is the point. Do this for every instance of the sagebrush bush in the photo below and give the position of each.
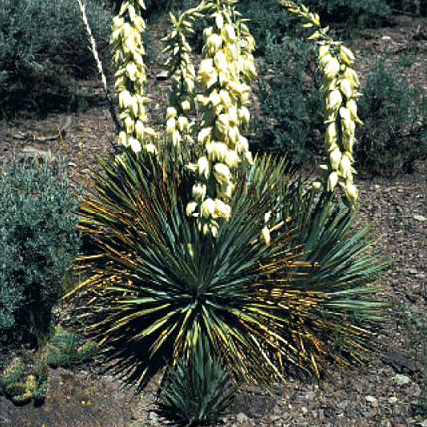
(290, 101)
(41, 43)
(394, 134)
(38, 241)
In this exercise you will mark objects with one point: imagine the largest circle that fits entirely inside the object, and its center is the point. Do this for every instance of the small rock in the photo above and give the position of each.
(163, 75)
(153, 417)
(385, 38)
(274, 418)
(241, 417)
(419, 218)
(310, 395)
(400, 380)
(392, 399)
(372, 400)
(414, 390)
(304, 410)
(422, 423)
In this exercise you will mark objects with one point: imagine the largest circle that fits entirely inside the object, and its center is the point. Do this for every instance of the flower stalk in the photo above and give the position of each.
(340, 88)
(126, 39)
(223, 76)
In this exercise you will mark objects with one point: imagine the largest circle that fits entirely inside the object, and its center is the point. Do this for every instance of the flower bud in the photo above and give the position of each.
(207, 209)
(334, 100)
(351, 192)
(244, 115)
(171, 112)
(332, 181)
(129, 125)
(346, 89)
(345, 167)
(139, 130)
(203, 167)
(331, 133)
(229, 33)
(332, 68)
(131, 71)
(219, 20)
(265, 234)
(191, 207)
(222, 210)
(125, 99)
(335, 159)
(199, 191)
(352, 108)
(222, 173)
(204, 135)
(123, 139)
(170, 126)
(185, 105)
(346, 55)
(231, 159)
(151, 148)
(135, 145)
(213, 43)
(176, 138)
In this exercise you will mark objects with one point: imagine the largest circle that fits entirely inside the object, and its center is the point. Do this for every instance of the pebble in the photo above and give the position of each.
(153, 417)
(392, 399)
(400, 380)
(163, 75)
(419, 218)
(304, 410)
(372, 400)
(241, 417)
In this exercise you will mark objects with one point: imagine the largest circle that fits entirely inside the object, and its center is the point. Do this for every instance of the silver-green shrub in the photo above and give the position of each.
(38, 241)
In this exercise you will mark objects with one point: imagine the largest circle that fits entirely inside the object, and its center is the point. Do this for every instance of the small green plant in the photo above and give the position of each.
(21, 388)
(39, 240)
(66, 349)
(197, 390)
(394, 134)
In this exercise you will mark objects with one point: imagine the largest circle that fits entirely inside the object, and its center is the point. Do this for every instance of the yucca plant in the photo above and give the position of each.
(157, 283)
(197, 390)
(197, 240)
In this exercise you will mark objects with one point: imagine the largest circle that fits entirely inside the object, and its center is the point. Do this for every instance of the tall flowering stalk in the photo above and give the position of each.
(179, 125)
(339, 86)
(126, 40)
(225, 70)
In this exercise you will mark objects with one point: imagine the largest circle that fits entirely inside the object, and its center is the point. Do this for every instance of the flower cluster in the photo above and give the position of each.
(181, 99)
(339, 85)
(223, 77)
(126, 40)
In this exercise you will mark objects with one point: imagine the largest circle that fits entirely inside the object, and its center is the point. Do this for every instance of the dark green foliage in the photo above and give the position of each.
(290, 101)
(157, 283)
(197, 390)
(394, 134)
(67, 348)
(39, 240)
(42, 42)
(268, 20)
